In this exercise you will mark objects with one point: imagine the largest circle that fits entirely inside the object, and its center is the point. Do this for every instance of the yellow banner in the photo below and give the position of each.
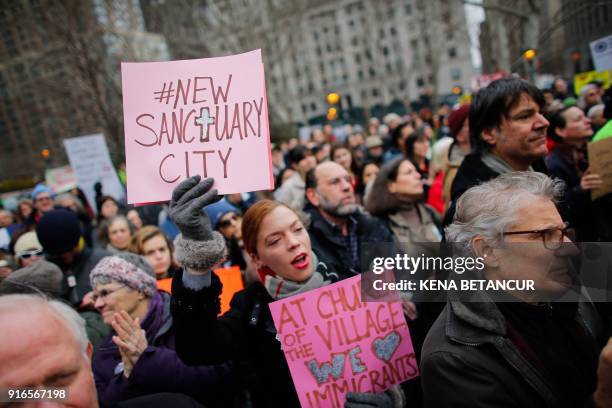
(584, 78)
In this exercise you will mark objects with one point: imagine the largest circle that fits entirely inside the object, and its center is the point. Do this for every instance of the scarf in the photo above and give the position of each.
(413, 224)
(280, 288)
(497, 165)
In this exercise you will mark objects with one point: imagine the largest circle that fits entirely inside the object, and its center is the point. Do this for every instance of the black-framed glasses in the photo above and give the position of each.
(551, 237)
(29, 254)
(227, 222)
(104, 293)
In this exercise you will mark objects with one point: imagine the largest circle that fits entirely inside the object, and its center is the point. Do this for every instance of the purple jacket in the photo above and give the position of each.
(158, 369)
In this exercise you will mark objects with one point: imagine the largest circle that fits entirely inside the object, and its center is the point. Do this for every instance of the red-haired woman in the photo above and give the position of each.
(277, 241)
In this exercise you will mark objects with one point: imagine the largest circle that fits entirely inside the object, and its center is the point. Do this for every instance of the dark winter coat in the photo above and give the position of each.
(159, 368)
(591, 219)
(333, 252)
(245, 334)
(473, 358)
(79, 270)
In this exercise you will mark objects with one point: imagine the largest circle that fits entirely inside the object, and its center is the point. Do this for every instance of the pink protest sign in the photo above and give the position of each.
(205, 116)
(335, 343)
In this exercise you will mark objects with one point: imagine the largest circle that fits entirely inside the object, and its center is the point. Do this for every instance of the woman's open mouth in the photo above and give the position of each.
(301, 261)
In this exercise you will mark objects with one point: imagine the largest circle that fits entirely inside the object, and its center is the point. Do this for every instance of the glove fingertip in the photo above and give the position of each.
(216, 197)
(209, 181)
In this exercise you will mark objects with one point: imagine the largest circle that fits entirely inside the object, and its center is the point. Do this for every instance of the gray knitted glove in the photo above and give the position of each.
(188, 200)
(367, 400)
(198, 246)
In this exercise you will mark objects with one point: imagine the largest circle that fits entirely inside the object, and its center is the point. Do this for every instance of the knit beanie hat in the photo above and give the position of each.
(59, 231)
(217, 210)
(40, 188)
(40, 275)
(128, 269)
(457, 118)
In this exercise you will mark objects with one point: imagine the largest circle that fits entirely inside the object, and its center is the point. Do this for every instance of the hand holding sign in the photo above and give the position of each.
(198, 248)
(600, 161)
(590, 181)
(188, 200)
(368, 399)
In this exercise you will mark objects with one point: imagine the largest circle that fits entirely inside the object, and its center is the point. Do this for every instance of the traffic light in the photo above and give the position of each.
(332, 113)
(529, 54)
(457, 90)
(45, 153)
(333, 98)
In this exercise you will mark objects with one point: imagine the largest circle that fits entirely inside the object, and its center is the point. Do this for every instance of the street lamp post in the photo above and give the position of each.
(529, 56)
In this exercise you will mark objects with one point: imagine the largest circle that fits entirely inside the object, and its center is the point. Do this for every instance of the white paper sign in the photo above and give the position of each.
(61, 179)
(90, 160)
(601, 50)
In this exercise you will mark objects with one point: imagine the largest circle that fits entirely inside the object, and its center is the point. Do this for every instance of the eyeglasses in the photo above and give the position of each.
(29, 254)
(104, 293)
(43, 198)
(551, 237)
(227, 222)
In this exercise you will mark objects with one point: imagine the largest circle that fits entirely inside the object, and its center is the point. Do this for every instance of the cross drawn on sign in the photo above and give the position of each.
(203, 121)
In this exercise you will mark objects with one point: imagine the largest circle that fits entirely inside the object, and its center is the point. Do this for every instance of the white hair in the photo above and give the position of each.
(582, 95)
(60, 199)
(72, 320)
(596, 110)
(439, 157)
(488, 209)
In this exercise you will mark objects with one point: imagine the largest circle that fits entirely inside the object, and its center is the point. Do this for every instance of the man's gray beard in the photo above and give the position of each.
(338, 210)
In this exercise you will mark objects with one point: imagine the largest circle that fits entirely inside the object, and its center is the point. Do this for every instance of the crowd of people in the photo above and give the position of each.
(87, 304)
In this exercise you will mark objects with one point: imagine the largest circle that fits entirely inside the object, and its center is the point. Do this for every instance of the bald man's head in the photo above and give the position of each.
(6, 218)
(45, 345)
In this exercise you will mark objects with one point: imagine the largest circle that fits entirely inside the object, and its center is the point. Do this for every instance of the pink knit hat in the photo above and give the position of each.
(126, 268)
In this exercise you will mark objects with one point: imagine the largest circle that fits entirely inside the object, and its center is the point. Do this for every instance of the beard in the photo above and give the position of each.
(337, 209)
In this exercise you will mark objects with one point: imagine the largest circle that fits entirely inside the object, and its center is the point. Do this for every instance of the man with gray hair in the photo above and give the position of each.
(338, 227)
(515, 348)
(45, 345)
(596, 114)
(589, 96)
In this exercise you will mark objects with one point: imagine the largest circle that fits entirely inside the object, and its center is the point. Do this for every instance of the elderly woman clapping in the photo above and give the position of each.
(140, 359)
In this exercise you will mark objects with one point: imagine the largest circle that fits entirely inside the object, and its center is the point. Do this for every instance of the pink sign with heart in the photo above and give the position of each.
(335, 343)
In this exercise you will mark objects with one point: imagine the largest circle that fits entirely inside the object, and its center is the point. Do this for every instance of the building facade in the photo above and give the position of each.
(372, 53)
(60, 60)
(559, 30)
(60, 76)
